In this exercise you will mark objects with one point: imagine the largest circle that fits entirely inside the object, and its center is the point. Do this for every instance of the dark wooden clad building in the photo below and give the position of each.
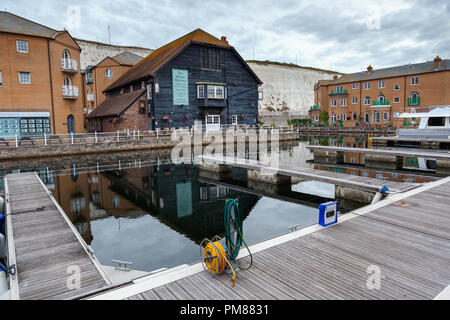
(197, 78)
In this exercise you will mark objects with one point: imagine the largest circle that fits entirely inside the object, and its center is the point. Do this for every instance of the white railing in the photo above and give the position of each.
(90, 97)
(118, 136)
(69, 65)
(69, 92)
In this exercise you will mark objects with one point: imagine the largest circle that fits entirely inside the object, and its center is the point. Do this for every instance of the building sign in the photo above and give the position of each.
(180, 87)
(184, 199)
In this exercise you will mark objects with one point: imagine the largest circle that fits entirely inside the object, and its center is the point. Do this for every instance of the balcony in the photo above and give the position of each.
(90, 97)
(413, 101)
(337, 92)
(69, 92)
(314, 107)
(381, 103)
(69, 65)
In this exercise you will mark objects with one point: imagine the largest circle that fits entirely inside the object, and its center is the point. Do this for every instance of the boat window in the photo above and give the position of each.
(436, 122)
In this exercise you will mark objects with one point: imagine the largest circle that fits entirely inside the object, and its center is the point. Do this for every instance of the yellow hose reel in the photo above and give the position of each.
(215, 258)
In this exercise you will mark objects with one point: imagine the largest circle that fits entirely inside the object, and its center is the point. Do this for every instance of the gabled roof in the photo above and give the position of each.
(127, 58)
(14, 24)
(409, 69)
(150, 65)
(114, 106)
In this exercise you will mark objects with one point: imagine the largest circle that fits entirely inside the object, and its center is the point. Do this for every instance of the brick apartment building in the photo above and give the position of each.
(97, 78)
(40, 79)
(197, 78)
(376, 96)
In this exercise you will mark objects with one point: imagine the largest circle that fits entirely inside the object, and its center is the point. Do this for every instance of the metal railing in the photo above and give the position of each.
(69, 65)
(69, 92)
(119, 136)
(381, 103)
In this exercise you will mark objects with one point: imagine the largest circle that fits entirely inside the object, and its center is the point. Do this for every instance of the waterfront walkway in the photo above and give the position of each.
(398, 248)
(51, 258)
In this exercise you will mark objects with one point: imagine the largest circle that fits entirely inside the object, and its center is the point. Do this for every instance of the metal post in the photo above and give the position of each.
(95, 136)
(17, 142)
(138, 134)
(45, 138)
(134, 134)
(118, 137)
(71, 137)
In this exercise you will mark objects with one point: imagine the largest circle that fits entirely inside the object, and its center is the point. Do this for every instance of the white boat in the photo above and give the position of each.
(434, 123)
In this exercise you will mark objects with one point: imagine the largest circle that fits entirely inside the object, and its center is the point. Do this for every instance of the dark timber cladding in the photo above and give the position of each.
(219, 83)
(45, 247)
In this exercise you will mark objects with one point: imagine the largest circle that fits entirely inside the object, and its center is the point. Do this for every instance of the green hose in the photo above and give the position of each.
(233, 247)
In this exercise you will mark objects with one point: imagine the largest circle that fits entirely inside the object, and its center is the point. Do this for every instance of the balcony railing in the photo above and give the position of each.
(69, 65)
(338, 92)
(69, 92)
(90, 97)
(378, 103)
(413, 101)
(314, 107)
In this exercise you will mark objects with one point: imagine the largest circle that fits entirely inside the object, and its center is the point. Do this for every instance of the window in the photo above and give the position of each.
(355, 86)
(376, 117)
(203, 193)
(436, 122)
(343, 102)
(234, 119)
(200, 92)
(142, 84)
(24, 77)
(210, 58)
(89, 78)
(414, 96)
(108, 74)
(22, 46)
(386, 116)
(366, 117)
(333, 118)
(414, 81)
(367, 86)
(149, 92)
(1, 81)
(343, 117)
(380, 84)
(355, 116)
(260, 95)
(367, 100)
(339, 88)
(381, 98)
(397, 87)
(67, 82)
(334, 103)
(216, 92)
(354, 100)
(396, 100)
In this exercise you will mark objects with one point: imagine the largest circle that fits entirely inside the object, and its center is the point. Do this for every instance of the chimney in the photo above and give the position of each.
(437, 63)
(223, 38)
(369, 69)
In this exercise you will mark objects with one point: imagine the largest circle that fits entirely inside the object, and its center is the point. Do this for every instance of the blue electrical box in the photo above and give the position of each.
(328, 213)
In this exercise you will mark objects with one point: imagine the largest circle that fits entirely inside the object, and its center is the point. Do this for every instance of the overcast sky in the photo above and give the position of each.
(345, 36)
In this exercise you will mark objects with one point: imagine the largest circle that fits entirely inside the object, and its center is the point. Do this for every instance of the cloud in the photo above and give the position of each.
(341, 35)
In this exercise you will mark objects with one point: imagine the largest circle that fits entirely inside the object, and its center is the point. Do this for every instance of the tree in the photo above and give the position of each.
(324, 116)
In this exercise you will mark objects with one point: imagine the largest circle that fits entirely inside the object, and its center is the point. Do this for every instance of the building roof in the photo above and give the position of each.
(127, 58)
(160, 57)
(114, 106)
(291, 65)
(14, 24)
(409, 69)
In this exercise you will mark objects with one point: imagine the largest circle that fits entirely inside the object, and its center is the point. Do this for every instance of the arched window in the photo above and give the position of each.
(70, 124)
(66, 58)
(414, 95)
(67, 82)
(381, 98)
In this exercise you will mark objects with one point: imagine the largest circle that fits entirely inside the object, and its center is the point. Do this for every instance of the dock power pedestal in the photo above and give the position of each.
(328, 213)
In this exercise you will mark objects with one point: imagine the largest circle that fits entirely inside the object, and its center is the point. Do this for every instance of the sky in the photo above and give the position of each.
(344, 36)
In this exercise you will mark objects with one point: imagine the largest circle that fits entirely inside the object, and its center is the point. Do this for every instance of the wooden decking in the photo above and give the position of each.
(406, 236)
(44, 245)
(339, 179)
(440, 155)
